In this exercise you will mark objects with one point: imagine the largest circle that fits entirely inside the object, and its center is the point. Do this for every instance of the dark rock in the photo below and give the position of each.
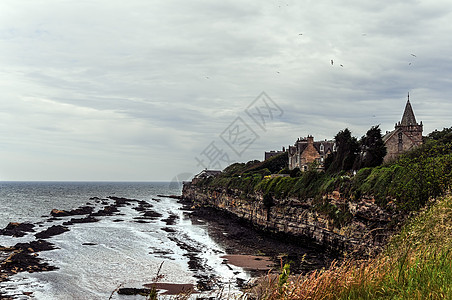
(150, 214)
(120, 201)
(36, 246)
(83, 210)
(87, 219)
(59, 213)
(140, 221)
(170, 196)
(17, 229)
(106, 211)
(24, 261)
(134, 291)
(51, 231)
(143, 206)
(171, 220)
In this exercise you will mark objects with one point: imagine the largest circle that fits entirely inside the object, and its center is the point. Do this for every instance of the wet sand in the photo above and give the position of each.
(171, 288)
(250, 262)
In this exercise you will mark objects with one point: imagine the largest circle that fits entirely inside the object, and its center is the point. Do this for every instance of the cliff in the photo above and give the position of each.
(345, 211)
(364, 233)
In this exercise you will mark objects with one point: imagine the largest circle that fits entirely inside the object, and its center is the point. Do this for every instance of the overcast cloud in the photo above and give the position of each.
(136, 90)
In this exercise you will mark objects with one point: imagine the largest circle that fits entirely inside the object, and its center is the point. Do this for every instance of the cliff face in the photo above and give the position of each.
(365, 233)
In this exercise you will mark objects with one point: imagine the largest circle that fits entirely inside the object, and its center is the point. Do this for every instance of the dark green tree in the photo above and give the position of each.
(347, 149)
(373, 149)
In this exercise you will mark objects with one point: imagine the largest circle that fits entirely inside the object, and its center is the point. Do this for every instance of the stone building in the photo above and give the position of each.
(306, 151)
(205, 174)
(406, 135)
(272, 153)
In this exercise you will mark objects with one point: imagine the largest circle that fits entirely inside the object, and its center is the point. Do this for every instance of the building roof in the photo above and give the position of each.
(207, 173)
(301, 144)
(408, 115)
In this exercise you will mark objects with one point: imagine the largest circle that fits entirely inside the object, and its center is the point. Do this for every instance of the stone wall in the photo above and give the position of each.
(364, 235)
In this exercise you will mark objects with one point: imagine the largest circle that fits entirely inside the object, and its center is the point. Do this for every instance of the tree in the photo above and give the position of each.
(373, 149)
(347, 149)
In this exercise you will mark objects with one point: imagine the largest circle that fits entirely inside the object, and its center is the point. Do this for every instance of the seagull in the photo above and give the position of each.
(332, 62)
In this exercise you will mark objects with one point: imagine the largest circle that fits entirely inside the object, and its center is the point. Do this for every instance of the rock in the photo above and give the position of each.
(22, 261)
(59, 213)
(134, 291)
(301, 220)
(36, 246)
(51, 231)
(170, 196)
(87, 219)
(83, 210)
(171, 220)
(17, 229)
(150, 214)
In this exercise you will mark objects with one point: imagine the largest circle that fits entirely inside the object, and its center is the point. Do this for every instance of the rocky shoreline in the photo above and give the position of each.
(239, 237)
(246, 247)
(24, 257)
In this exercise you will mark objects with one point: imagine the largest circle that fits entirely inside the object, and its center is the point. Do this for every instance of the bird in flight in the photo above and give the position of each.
(342, 65)
(413, 55)
(332, 62)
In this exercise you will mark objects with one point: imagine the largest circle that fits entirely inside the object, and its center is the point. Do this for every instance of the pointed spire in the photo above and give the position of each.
(408, 115)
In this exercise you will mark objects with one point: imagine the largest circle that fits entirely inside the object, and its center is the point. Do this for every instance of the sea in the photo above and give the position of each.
(94, 259)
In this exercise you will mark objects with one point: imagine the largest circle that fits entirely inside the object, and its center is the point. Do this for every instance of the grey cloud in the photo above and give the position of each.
(152, 83)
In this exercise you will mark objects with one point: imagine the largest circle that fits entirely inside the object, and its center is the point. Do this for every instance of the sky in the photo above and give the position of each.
(143, 90)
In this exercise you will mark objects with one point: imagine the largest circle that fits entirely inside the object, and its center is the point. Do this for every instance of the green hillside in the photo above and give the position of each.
(405, 184)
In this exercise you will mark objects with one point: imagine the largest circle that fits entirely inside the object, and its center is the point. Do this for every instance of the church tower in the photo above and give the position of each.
(406, 135)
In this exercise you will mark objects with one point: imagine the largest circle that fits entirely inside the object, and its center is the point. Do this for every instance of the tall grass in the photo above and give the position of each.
(417, 264)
